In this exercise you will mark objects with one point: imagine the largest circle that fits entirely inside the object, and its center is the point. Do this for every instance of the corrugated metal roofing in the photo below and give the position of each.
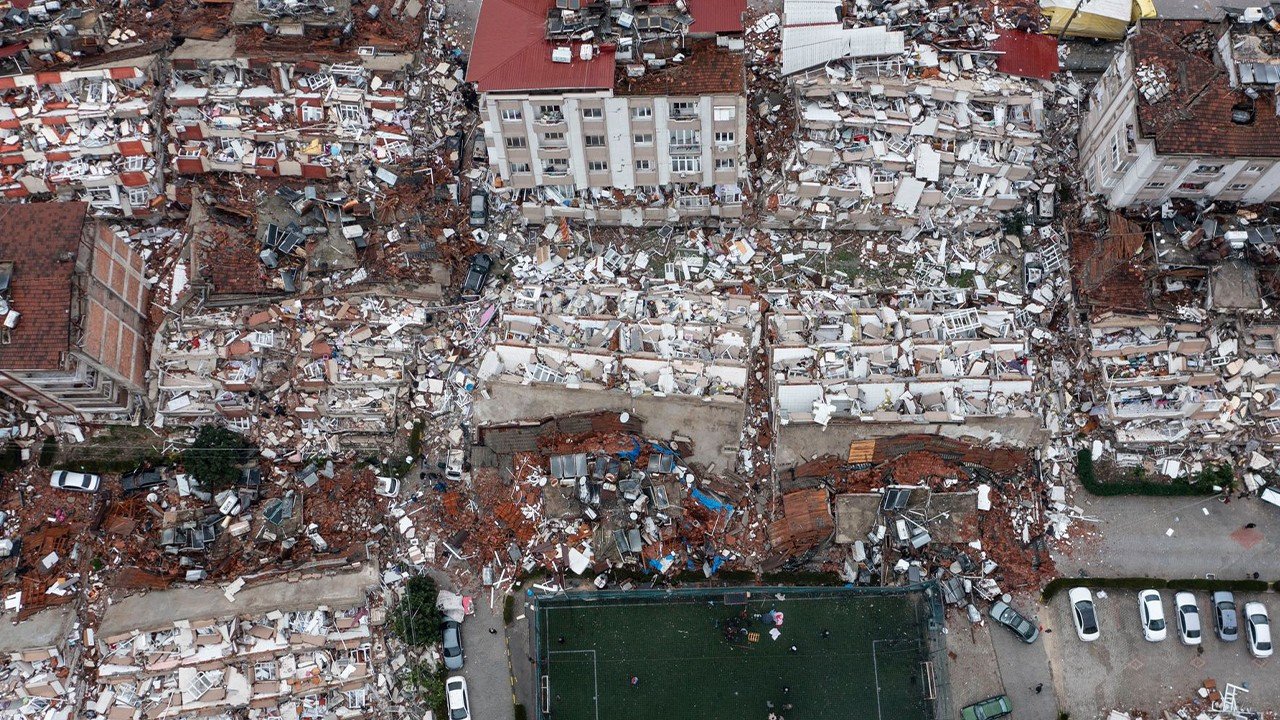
(716, 16)
(1026, 54)
(510, 52)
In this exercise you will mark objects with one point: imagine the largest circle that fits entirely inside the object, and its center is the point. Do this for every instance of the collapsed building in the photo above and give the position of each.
(614, 112)
(74, 338)
(1186, 110)
(87, 134)
(895, 135)
(295, 116)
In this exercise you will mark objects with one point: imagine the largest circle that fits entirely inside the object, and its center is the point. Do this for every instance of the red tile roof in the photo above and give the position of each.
(510, 52)
(1026, 54)
(1195, 117)
(707, 70)
(716, 16)
(37, 238)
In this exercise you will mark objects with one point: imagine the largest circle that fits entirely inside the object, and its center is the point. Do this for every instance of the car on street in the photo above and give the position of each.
(1225, 621)
(455, 693)
(80, 482)
(1187, 614)
(386, 486)
(1257, 629)
(1005, 615)
(451, 644)
(1151, 610)
(992, 707)
(1084, 612)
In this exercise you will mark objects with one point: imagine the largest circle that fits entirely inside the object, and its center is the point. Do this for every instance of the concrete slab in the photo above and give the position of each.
(44, 629)
(801, 443)
(158, 609)
(856, 515)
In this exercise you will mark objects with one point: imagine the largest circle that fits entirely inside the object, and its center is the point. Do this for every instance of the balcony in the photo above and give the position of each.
(556, 171)
(685, 148)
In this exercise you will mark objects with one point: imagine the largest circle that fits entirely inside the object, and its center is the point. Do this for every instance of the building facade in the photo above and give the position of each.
(1186, 110)
(648, 127)
(74, 339)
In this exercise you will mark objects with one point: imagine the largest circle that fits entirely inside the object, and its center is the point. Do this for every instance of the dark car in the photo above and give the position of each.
(139, 480)
(451, 644)
(1224, 616)
(479, 209)
(1012, 619)
(994, 707)
(477, 274)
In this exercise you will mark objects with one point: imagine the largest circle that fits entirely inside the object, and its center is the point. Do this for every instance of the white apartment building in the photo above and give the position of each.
(649, 127)
(1188, 110)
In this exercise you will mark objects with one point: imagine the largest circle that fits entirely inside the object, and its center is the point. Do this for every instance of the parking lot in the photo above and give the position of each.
(1123, 670)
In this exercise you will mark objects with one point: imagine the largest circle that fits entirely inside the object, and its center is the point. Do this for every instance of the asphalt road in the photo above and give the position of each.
(1209, 537)
(487, 671)
(1022, 668)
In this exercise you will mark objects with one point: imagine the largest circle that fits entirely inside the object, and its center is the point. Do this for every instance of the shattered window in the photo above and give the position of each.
(349, 114)
(312, 113)
(684, 109)
(519, 167)
(139, 196)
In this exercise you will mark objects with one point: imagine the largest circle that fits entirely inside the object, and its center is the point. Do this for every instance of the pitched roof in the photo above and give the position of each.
(707, 70)
(510, 52)
(716, 16)
(37, 238)
(1194, 117)
(1026, 54)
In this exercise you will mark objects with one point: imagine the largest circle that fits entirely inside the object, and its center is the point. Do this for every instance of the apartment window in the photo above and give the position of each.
(1115, 152)
(684, 109)
(349, 114)
(550, 112)
(516, 142)
(643, 138)
(312, 113)
(553, 138)
(109, 195)
(517, 168)
(724, 112)
(592, 113)
(644, 165)
(594, 140)
(726, 163)
(641, 112)
(1254, 168)
(1193, 186)
(597, 166)
(1237, 187)
(686, 165)
(724, 138)
(512, 115)
(556, 166)
(139, 196)
(1157, 185)
(1208, 169)
(685, 139)
(135, 163)
(1169, 167)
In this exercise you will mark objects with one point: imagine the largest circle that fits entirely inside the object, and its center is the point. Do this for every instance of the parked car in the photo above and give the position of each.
(451, 644)
(1257, 629)
(477, 274)
(1225, 621)
(386, 486)
(1151, 610)
(1012, 619)
(140, 480)
(80, 482)
(1085, 613)
(479, 209)
(992, 707)
(1187, 614)
(455, 691)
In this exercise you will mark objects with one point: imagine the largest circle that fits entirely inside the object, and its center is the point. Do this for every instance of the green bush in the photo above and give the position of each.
(429, 685)
(215, 457)
(802, 578)
(48, 451)
(519, 713)
(11, 457)
(1202, 484)
(416, 619)
(415, 439)
(1142, 583)
(508, 609)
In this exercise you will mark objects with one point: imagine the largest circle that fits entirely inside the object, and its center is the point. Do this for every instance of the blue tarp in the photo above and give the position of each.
(663, 449)
(709, 502)
(633, 453)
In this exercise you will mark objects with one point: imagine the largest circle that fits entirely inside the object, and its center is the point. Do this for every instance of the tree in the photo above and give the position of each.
(214, 459)
(430, 686)
(416, 619)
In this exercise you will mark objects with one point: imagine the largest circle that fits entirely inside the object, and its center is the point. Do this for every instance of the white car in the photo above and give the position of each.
(386, 486)
(80, 482)
(455, 691)
(1257, 629)
(1151, 608)
(1188, 615)
(1086, 616)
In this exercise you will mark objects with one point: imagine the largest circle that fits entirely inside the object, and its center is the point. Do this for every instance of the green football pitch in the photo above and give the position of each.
(856, 655)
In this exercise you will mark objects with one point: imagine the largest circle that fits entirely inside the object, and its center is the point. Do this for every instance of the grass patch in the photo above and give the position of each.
(1142, 583)
(1136, 483)
(820, 579)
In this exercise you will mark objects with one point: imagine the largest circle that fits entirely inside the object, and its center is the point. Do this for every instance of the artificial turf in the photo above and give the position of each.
(675, 647)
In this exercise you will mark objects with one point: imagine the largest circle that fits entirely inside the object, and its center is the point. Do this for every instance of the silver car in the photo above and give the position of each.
(451, 644)
(1026, 630)
(1225, 620)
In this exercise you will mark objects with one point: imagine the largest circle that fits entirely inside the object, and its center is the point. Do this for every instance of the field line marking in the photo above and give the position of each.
(875, 668)
(595, 674)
